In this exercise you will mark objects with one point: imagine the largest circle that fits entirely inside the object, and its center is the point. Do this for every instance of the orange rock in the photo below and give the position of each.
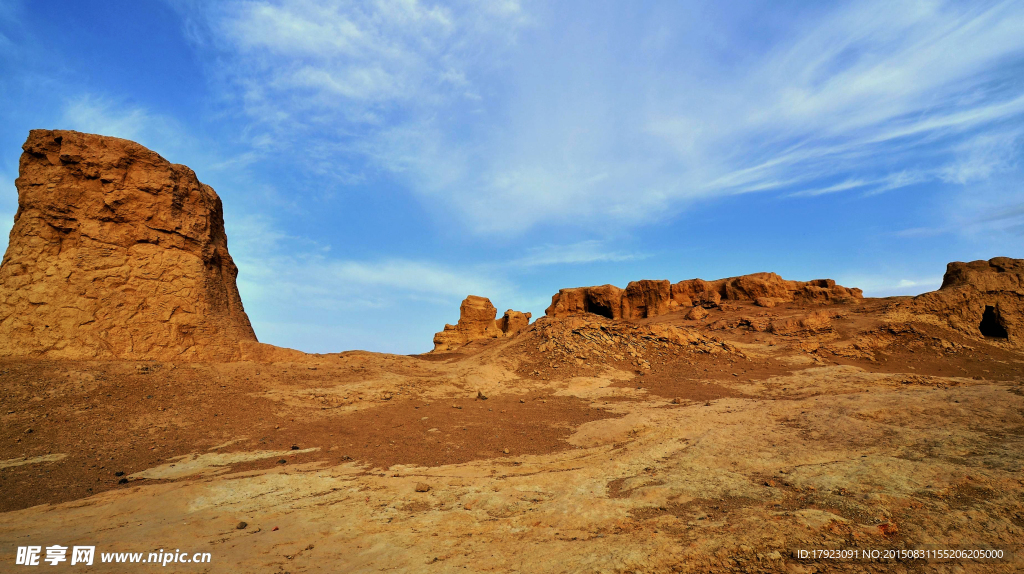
(603, 300)
(645, 298)
(696, 313)
(825, 291)
(980, 299)
(649, 298)
(816, 322)
(698, 292)
(513, 321)
(757, 285)
(476, 322)
(116, 253)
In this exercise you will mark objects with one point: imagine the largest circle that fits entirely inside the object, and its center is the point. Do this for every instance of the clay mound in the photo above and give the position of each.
(116, 253)
(476, 322)
(649, 298)
(980, 299)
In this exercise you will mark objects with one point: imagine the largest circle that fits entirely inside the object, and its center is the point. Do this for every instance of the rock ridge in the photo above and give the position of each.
(649, 298)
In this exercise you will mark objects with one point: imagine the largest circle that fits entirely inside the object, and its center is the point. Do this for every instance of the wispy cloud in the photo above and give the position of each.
(299, 294)
(284, 270)
(592, 251)
(98, 114)
(888, 286)
(507, 132)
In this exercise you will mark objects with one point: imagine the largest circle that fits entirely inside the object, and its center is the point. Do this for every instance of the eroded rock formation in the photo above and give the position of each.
(116, 253)
(604, 300)
(649, 298)
(476, 321)
(980, 299)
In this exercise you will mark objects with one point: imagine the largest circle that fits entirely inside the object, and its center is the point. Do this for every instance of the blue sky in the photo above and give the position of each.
(380, 160)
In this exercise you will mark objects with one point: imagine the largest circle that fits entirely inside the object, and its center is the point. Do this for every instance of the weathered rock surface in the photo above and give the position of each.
(513, 321)
(980, 299)
(476, 322)
(603, 300)
(116, 253)
(649, 298)
(646, 298)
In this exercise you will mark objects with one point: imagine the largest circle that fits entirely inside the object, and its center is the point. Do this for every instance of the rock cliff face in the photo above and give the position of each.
(980, 299)
(116, 253)
(476, 321)
(649, 298)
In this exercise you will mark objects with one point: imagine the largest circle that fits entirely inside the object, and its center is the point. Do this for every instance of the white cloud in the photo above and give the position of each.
(299, 295)
(893, 285)
(593, 251)
(985, 155)
(281, 270)
(507, 133)
(96, 114)
(848, 184)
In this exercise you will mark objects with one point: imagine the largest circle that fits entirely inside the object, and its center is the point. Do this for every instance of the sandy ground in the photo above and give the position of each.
(578, 446)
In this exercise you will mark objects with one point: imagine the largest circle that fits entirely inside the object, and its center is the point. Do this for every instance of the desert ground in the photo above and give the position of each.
(634, 453)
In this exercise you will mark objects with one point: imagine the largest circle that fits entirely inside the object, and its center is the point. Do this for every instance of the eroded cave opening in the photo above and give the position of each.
(990, 325)
(591, 306)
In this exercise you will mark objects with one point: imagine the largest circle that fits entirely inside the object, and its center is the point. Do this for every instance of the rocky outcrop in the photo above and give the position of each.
(649, 298)
(646, 298)
(603, 300)
(980, 299)
(116, 253)
(476, 322)
(513, 321)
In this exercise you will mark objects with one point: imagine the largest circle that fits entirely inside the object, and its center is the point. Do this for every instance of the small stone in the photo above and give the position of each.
(123, 481)
(504, 450)
(119, 473)
(295, 447)
(676, 401)
(422, 487)
(273, 529)
(29, 431)
(241, 525)
(282, 461)
(480, 396)
(522, 400)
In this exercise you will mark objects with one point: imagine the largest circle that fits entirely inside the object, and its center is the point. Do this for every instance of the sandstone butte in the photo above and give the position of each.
(117, 253)
(477, 322)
